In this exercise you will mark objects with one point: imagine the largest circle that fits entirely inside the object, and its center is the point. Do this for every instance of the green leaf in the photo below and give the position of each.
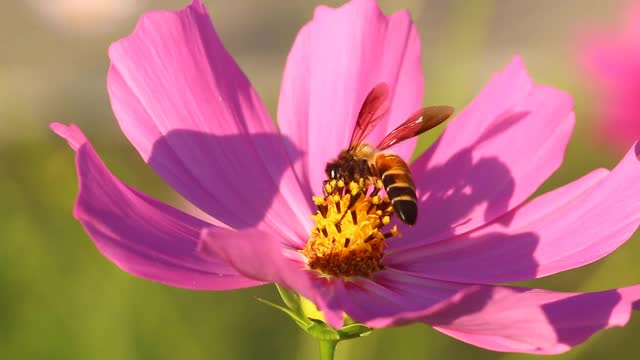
(301, 321)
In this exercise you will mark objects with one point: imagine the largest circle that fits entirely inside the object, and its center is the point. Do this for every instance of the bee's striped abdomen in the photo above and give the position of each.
(397, 181)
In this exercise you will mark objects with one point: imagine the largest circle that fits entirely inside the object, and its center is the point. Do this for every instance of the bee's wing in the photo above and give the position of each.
(373, 109)
(422, 120)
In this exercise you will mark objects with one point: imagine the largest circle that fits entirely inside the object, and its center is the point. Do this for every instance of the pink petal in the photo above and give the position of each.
(498, 318)
(192, 114)
(336, 59)
(263, 256)
(491, 157)
(139, 234)
(532, 320)
(564, 229)
(376, 301)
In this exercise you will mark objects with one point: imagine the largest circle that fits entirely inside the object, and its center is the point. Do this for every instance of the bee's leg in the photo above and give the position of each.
(365, 169)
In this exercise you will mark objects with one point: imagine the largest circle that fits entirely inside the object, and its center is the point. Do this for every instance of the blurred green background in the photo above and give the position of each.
(60, 299)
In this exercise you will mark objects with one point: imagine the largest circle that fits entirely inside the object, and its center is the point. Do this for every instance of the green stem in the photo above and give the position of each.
(327, 349)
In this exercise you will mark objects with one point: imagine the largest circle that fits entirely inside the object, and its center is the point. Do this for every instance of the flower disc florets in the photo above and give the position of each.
(347, 239)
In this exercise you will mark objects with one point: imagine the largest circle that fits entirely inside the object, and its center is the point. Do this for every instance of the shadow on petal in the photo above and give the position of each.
(567, 316)
(422, 278)
(243, 180)
(466, 258)
(529, 320)
(466, 191)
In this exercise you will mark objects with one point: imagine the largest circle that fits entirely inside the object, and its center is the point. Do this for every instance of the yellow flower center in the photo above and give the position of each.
(347, 239)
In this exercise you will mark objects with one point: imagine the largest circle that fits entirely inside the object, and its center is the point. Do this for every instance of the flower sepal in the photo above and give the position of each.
(353, 331)
(291, 299)
(305, 314)
(302, 322)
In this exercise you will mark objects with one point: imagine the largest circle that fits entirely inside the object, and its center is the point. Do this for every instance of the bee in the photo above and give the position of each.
(363, 161)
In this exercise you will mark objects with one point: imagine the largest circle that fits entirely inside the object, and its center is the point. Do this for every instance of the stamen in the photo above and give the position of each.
(371, 208)
(354, 198)
(369, 238)
(323, 210)
(348, 246)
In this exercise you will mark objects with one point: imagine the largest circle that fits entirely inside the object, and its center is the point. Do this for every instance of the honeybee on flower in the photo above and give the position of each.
(194, 118)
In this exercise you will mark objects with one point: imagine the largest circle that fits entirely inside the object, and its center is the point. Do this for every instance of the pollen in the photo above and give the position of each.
(348, 239)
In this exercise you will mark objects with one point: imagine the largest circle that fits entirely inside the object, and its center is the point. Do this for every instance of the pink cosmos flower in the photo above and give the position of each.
(611, 61)
(195, 119)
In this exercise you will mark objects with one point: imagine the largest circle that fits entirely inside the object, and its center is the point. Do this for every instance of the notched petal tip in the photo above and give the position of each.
(381, 48)
(476, 149)
(71, 133)
(143, 22)
(139, 234)
(515, 73)
(362, 6)
(197, 4)
(523, 320)
(518, 62)
(562, 320)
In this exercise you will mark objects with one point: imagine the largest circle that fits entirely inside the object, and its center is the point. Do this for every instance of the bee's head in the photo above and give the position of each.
(333, 171)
